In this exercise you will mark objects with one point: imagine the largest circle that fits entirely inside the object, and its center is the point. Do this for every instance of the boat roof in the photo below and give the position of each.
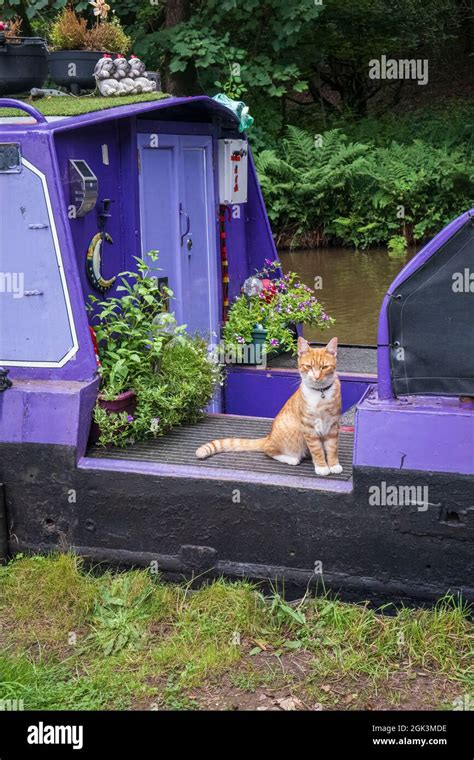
(87, 111)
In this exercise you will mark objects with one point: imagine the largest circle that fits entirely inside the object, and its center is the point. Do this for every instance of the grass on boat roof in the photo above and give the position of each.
(75, 106)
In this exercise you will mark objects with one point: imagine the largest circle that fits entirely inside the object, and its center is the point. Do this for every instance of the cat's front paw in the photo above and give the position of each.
(336, 469)
(322, 470)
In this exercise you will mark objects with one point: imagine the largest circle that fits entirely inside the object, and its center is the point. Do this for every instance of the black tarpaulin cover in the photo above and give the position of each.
(431, 323)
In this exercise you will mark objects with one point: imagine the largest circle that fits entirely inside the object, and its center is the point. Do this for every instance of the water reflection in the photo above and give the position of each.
(353, 286)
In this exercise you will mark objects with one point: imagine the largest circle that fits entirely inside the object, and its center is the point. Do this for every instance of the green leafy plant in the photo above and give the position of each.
(281, 303)
(397, 246)
(331, 190)
(143, 349)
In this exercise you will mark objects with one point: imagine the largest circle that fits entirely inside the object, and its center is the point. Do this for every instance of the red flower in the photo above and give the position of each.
(269, 290)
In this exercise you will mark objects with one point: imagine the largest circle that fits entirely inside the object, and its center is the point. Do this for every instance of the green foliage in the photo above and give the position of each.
(69, 31)
(132, 329)
(447, 125)
(142, 348)
(277, 308)
(90, 641)
(121, 612)
(237, 46)
(329, 189)
(397, 246)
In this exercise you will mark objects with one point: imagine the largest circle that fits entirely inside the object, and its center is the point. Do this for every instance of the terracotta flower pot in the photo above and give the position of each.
(124, 402)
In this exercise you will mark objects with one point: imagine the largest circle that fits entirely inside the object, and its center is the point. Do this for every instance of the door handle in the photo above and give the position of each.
(188, 223)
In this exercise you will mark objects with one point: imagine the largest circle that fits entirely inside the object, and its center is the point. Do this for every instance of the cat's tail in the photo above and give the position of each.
(231, 444)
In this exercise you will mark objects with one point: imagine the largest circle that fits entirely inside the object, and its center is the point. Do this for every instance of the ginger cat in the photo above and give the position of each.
(309, 421)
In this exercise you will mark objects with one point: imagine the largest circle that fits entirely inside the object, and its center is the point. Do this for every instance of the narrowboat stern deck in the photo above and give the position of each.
(177, 450)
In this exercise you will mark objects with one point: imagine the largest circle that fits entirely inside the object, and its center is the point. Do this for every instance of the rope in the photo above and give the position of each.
(224, 260)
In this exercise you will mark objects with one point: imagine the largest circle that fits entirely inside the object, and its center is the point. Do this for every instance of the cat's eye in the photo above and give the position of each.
(326, 366)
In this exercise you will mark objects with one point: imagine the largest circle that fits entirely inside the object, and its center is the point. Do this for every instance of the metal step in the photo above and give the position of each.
(179, 446)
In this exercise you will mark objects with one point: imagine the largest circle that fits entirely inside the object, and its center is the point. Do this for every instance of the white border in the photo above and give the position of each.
(75, 344)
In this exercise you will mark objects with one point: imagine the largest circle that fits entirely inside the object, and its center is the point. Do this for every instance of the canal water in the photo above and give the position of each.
(353, 284)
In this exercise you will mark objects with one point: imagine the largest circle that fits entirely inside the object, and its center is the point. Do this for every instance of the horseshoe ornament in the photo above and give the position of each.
(93, 263)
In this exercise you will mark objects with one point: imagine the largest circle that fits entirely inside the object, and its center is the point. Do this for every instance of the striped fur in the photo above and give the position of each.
(308, 424)
(231, 444)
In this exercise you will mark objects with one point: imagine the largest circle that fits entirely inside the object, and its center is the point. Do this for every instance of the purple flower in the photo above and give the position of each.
(324, 316)
(274, 342)
(129, 418)
(240, 339)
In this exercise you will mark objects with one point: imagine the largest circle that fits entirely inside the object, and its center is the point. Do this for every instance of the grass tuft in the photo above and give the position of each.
(43, 600)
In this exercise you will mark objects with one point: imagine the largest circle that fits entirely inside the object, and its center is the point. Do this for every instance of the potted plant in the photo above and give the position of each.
(154, 375)
(76, 46)
(23, 60)
(268, 313)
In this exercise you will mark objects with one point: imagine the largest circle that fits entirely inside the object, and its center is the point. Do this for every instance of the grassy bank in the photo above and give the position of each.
(73, 640)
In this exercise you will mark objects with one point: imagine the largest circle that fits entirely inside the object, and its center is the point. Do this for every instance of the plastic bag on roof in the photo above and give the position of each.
(239, 108)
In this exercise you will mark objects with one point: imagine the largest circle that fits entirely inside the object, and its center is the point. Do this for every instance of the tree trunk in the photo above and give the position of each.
(26, 28)
(179, 82)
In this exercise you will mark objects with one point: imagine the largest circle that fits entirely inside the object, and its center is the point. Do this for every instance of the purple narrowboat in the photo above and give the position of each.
(396, 525)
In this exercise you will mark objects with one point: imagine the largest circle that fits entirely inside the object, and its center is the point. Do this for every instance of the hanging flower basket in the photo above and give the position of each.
(270, 314)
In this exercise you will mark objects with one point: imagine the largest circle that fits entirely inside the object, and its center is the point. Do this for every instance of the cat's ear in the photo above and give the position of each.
(303, 346)
(331, 347)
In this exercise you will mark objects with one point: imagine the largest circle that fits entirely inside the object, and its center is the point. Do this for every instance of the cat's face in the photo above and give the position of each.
(317, 365)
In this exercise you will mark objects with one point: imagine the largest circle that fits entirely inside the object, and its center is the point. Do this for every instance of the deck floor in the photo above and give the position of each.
(349, 359)
(179, 446)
